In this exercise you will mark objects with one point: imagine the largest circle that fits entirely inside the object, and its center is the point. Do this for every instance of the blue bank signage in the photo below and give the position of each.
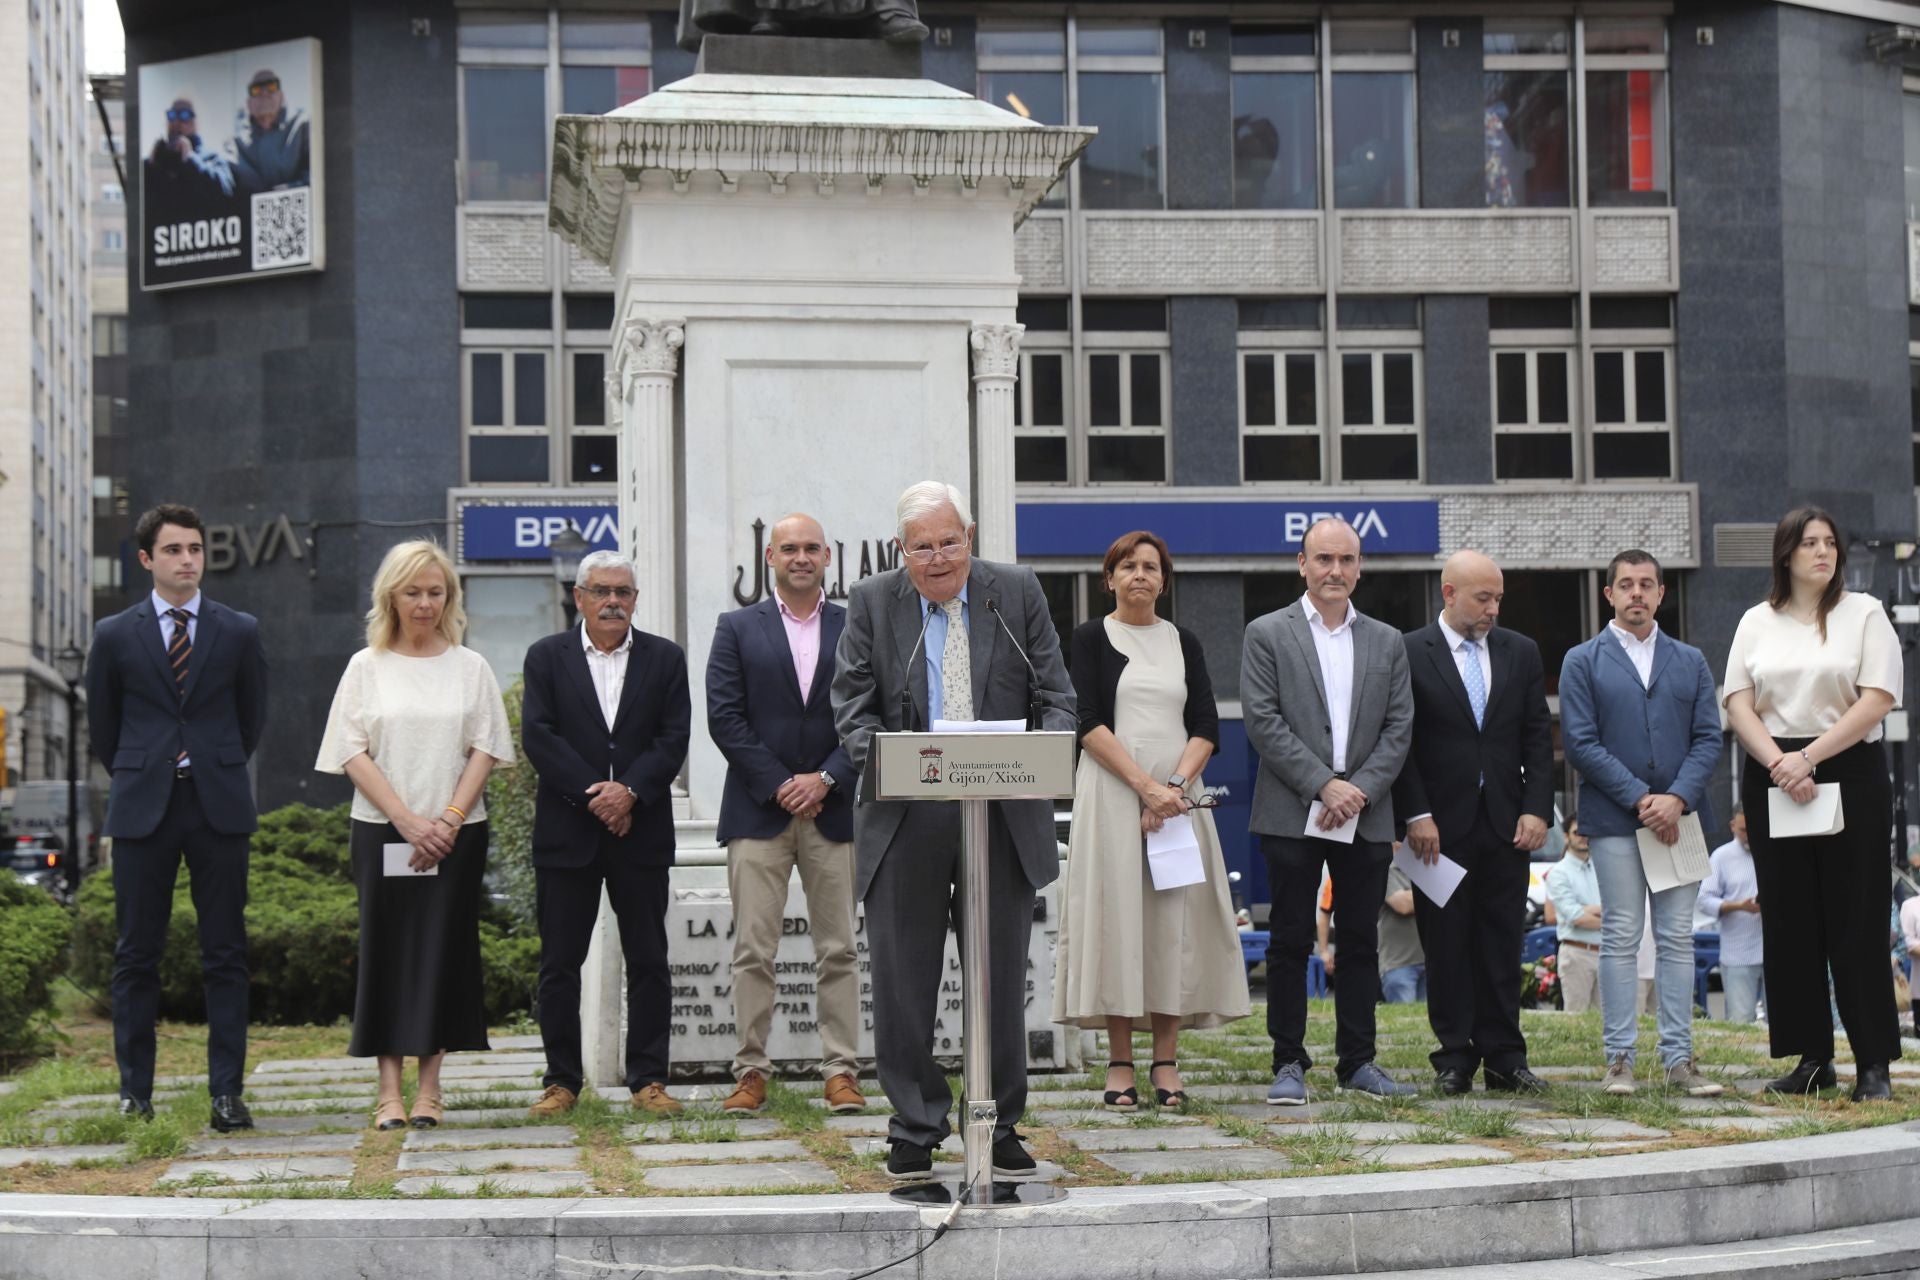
(1390, 528)
(525, 533)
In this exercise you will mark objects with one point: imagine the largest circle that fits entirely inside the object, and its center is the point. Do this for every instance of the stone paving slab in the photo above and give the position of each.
(264, 1170)
(501, 1117)
(262, 1077)
(268, 1190)
(354, 1090)
(1312, 1112)
(952, 1147)
(482, 1099)
(1226, 1164)
(1408, 1155)
(490, 1071)
(1109, 1119)
(743, 1127)
(674, 1152)
(1586, 1130)
(274, 1144)
(532, 1135)
(1595, 1148)
(741, 1177)
(855, 1124)
(1744, 1124)
(335, 1066)
(1376, 1131)
(539, 1183)
(312, 1120)
(1148, 1139)
(471, 1161)
(14, 1157)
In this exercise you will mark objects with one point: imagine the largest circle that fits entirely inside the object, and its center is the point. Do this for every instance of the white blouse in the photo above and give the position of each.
(416, 719)
(1802, 685)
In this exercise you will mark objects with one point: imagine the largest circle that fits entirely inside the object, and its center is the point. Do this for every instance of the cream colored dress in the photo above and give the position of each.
(1125, 948)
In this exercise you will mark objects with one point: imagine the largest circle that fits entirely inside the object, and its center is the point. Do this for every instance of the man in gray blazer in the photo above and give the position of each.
(943, 638)
(1329, 708)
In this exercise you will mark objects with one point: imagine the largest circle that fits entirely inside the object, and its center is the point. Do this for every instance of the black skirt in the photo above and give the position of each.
(419, 988)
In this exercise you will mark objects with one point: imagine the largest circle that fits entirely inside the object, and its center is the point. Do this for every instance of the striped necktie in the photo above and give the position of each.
(177, 654)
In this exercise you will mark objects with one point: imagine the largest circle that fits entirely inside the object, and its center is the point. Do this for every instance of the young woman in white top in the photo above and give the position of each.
(1812, 673)
(417, 725)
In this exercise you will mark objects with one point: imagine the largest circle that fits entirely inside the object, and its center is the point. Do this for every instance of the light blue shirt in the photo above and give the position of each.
(937, 652)
(1573, 886)
(1730, 881)
(192, 607)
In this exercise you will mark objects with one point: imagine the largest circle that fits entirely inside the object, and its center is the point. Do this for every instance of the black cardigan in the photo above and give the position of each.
(1096, 668)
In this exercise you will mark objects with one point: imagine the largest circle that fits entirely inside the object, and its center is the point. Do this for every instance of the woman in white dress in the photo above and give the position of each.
(1131, 956)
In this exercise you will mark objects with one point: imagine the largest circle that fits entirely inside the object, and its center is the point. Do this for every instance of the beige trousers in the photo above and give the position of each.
(1579, 979)
(758, 872)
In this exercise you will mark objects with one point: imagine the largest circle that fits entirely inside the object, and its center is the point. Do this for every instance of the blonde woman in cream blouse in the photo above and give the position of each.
(417, 725)
(1813, 671)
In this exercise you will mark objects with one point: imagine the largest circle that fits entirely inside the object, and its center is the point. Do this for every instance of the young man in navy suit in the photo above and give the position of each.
(176, 700)
(786, 804)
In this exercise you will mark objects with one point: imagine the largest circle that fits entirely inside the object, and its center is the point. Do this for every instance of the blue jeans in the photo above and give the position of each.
(1623, 916)
(1743, 985)
(1405, 985)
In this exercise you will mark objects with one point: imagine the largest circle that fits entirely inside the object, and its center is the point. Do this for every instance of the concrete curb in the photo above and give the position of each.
(1289, 1227)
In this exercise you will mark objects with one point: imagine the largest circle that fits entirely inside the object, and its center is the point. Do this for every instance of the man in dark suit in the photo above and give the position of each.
(176, 700)
(942, 638)
(787, 802)
(1478, 787)
(604, 721)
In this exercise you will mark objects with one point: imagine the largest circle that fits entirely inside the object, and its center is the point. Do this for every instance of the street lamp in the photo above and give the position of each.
(568, 549)
(71, 662)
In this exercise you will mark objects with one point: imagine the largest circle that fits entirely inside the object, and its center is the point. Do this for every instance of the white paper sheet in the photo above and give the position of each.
(1173, 854)
(395, 858)
(979, 726)
(1668, 866)
(1343, 833)
(1437, 881)
(1823, 815)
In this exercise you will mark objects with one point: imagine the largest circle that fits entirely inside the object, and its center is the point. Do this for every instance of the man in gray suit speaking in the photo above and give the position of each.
(945, 637)
(1329, 708)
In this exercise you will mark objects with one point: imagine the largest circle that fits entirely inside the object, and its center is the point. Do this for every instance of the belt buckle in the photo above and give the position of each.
(182, 771)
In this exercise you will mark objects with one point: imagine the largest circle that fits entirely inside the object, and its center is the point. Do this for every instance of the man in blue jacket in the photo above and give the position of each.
(786, 804)
(1641, 724)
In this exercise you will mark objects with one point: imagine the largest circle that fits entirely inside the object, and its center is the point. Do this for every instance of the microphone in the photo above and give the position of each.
(1035, 707)
(907, 708)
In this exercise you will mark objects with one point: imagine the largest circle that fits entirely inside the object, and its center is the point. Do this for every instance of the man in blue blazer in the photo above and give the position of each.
(787, 803)
(176, 701)
(1640, 722)
(604, 720)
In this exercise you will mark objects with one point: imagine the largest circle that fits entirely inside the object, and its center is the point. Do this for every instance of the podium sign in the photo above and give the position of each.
(973, 766)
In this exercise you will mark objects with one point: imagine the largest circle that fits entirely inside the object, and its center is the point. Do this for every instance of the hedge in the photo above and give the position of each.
(33, 952)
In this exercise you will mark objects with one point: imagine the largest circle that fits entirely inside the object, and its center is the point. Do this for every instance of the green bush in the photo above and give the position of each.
(33, 952)
(510, 794)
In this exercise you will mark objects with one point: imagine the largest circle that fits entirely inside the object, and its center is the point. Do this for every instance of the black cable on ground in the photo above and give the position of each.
(959, 1202)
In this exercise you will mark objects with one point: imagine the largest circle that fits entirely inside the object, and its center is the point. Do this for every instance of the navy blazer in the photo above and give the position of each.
(756, 716)
(140, 720)
(567, 741)
(1627, 739)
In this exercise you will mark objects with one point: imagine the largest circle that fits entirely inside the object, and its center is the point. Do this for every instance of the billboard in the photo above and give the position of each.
(230, 181)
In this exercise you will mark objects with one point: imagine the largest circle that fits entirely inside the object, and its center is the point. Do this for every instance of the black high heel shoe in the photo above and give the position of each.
(1127, 1099)
(1175, 1098)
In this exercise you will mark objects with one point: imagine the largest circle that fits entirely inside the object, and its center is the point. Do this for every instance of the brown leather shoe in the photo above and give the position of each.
(749, 1096)
(843, 1095)
(654, 1100)
(556, 1101)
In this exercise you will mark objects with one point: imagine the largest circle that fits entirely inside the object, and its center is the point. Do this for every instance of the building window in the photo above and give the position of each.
(111, 193)
(507, 352)
(504, 128)
(1117, 87)
(1913, 381)
(1628, 135)
(113, 240)
(1282, 389)
(1533, 359)
(1124, 388)
(1378, 386)
(1911, 103)
(1528, 131)
(1022, 68)
(1375, 142)
(605, 62)
(1631, 388)
(1041, 402)
(1276, 116)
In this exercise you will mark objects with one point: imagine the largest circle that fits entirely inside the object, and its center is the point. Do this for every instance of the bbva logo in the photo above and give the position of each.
(540, 531)
(1365, 522)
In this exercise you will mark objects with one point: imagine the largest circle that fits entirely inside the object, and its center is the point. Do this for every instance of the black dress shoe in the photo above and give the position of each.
(230, 1113)
(1811, 1076)
(1453, 1082)
(1872, 1084)
(1010, 1159)
(908, 1161)
(1518, 1080)
(136, 1108)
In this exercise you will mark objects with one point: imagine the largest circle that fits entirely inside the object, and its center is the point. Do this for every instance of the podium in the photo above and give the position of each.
(972, 769)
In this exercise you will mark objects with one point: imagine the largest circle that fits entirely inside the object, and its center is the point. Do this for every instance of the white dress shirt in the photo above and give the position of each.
(1457, 646)
(160, 607)
(1334, 647)
(609, 671)
(1639, 652)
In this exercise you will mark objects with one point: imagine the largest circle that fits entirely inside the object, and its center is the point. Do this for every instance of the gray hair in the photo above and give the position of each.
(918, 501)
(595, 560)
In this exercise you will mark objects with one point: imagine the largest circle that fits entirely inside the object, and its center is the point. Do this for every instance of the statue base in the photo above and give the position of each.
(826, 56)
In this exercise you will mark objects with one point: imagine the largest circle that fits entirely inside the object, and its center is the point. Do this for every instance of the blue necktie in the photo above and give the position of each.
(1476, 684)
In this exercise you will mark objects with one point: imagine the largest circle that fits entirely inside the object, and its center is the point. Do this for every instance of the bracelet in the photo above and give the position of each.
(456, 810)
(1812, 768)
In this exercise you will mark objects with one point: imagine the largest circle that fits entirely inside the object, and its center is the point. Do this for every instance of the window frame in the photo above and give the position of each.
(1096, 64)
(1051, 343)
(1629, 343)
(1533, 343)
(1129, 345)
(508, 344)
(579, 343)
(1585, 64)
(1334, 64)
(1280, 343)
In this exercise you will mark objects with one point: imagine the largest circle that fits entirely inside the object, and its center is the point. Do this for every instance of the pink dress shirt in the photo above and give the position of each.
(803, 638)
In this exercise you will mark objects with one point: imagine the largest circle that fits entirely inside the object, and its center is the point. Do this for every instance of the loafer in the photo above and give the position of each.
(1518, 1080)
(748, 1096)
(1811, 1076)
(229, 1113)
(1010, 1158)
(1872, 1084)
(843, 1095)
(908, 1161)
(1368, 1078)
(1289, 1087)
(1453, 1082)
(136, 1108)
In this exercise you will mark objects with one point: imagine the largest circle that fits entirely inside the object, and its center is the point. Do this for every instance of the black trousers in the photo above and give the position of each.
(567, 901)
(144, 871)
(1473, 954)
(1824, 904)
(1359, 873)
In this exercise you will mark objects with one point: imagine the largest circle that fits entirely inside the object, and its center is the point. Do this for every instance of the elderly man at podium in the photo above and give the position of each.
(945, 637)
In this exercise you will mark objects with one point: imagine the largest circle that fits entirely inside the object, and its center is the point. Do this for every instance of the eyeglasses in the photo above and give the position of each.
(1204, 802)
(178, 116)
(622, 594)
(262, 88)
(945, 551)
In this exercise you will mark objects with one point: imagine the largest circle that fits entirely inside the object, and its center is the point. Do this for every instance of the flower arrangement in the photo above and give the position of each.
(1540, 984)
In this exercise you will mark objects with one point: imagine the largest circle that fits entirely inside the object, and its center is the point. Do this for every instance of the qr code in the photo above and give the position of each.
(282, 228)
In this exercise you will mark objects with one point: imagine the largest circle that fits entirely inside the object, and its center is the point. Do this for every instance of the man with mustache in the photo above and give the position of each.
(604, 720)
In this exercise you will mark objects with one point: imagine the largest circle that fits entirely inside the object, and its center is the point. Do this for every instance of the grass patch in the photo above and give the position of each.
(1315, 1146)
(794, 1110)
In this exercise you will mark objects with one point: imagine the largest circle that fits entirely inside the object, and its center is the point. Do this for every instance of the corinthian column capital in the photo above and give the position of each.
(648, 347)
(996, 350)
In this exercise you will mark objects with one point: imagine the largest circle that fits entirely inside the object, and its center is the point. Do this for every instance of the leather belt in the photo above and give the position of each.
(1575, 942)
(185, 771)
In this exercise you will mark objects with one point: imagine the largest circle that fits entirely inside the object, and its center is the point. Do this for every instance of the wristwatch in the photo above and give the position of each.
(833, 784)
(1177, 781)
(631, 791)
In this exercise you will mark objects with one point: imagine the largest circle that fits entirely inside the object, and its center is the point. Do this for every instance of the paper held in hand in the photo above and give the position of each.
(394, 859)
(1173, 854)
(1682, 862)
(1343, 833)
(1821, 816)
(1437, 881)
